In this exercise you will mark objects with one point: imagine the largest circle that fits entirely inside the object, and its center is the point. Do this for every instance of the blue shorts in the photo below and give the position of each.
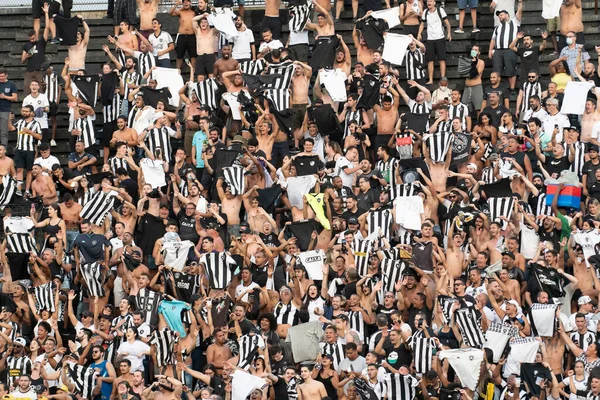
(470, 4)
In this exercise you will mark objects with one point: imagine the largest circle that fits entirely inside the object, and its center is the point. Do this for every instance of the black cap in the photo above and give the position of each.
(574, 128)
(500, 12)
(245, 229)
(40, 389)
(595, 148)
(352, 220)
(509, 253)
(195, 297)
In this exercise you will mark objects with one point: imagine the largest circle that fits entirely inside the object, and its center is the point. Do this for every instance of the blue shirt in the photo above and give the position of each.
(7, 88)
(171, 311)
(198, 140)
(106, 388)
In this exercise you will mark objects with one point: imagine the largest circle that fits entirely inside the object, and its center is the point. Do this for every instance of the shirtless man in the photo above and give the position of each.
(455, 257)
(186, 37)
(491, 245)
(363, 53)
(43, 186)
(78, 51)
(324, 25)
(124, 134)
(148, 10)
(125, 36)
(165, 388)
(387, 116)
(218, 353)
(571, 21)
(271, 19)
(300, 83)
(590, 116)
(266, 133)
(230, 206)
(7, 165)
(205, 47)
(225, 63)
(233, 81)
(473, 94)
(510, 287)
(70, 211)
(580, 270)
(310, 389)
(343, 59)
(128, 216)
(124, 375)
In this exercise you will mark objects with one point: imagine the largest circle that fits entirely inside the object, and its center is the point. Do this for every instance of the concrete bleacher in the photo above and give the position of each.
(17, 22)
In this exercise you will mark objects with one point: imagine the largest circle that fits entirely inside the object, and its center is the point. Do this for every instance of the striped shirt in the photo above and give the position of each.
(116, 162)
(461, 111)
(505, 33)
(579, 160)
(352, 116)
(145, 63)
(415, 60)
(52, 87)
(529, 89)
(161, 138)
(86, 126)
(112, 111)
(25, 140)
(130, 77)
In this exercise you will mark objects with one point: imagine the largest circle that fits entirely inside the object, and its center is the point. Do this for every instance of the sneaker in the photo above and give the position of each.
(55, 41)
(459, 30)
(476, 30)
(53, 143)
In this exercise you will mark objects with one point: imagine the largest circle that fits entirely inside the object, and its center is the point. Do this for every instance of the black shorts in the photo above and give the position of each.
(435, 48)
(299, 113)
(185, 43)
(24, 159)
(53, 112)
(54, 8)
(36, 8)
(107, 131)
(299, 52)
(205, 64)
(504, 62)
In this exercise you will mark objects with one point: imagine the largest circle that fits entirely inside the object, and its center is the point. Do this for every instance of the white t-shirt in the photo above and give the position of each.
(298, 37)
(340, 164)
(17, 394)
(241, 45)
(161, 43)
(134, 353)
(435, 25)
(241, 289)
(596, 130)
(36, 102)
(47, 163)
(559, 119)
(272, 45)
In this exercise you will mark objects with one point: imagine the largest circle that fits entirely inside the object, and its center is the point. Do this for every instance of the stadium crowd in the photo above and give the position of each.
(302, 218)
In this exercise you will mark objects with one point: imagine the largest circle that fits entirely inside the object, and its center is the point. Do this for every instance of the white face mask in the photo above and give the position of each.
(579, 259)
(569, 41)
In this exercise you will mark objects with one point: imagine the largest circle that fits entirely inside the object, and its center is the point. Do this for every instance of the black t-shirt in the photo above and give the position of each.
(366, 200)
(496, 113)
(347, 214)
(187, 227)
(517, 274)
(553, 236)
(38, 51)
(372, 28)
(556, 165)
(387, 312)
(594, 190)
(397, 356)
(131, 187)
(502, 91)
(589, 170)
(529, 59)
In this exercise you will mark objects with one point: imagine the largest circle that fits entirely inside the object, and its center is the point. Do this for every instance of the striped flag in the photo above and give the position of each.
(280, 98)
(234, 177)
(44, 296)
(253, 67)
(20, 243)
(423, 352)
(500, 206)
(362, 250)
(207, 93)
(94, 278)
(446, 304)
(381, 218)
(392, 271)
(164, 342)
(96, 209)
(84, 379)
(299, 15)
(469, 327)
(9, 186)
(286, 69)
(219, 269)
(402, 387)
(438, 145)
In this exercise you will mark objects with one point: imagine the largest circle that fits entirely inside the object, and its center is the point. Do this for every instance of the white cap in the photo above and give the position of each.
(584, 300)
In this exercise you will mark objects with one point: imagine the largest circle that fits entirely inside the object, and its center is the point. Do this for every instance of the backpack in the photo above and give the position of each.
(439, 13)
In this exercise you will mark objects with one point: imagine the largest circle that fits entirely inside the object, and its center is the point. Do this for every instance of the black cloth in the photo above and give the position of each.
(257, 83)
(149, 230)
(269, 198)
(284, 118)
(372, 30)
(110, 82)
(547, 279)
(370, 95)
(224, 157)
(307, 165)
(88, 87)
(302, 231)
(461, 147)
(326, 121)
(556, 165)
(66, 29)
(530, 60)
(500, 188)
(323, 55)
(38, 54)
(416, 122)
(532, 374)
(153, 96)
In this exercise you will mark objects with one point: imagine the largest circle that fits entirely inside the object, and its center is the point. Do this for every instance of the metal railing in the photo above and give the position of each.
(101, 5)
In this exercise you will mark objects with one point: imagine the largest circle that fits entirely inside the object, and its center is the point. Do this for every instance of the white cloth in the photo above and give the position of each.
(551, 8)
(243, 384)
(154, 173)
(48, 162)
(575, 97)
(541, 318)
(18, 225)
(297, 186)
(241, 45)
(466, 363)
(497, 335)
(335, 83)
(313, 262)
(144, 118)
(272, 45)
(524, 349)
(588, 241)
(234, 104)
(390, 15)
(394, 47)
(169, 78)
(222, 20)
(176, 253)
(408, 212)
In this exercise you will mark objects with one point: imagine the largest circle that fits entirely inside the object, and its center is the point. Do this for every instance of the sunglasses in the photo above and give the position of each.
(532, 77)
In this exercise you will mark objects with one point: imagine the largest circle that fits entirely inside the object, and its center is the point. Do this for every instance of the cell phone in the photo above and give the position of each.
(420, 323)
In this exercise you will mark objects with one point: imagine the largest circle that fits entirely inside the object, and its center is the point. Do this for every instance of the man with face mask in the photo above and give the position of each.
(473, 93)
(571, 51)
(571, 21)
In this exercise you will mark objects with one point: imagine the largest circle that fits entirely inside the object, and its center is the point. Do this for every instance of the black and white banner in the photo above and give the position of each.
(45, 297)
(497, 337)
(21, 243)
(542, 318)
(9, 187)
(84, 379)
(469, 327)
(94, 278)
(98, 207)
(500, 206)
(438, 145)
(234, 177)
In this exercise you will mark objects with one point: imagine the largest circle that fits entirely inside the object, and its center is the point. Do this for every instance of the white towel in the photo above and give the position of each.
(408, 212)
(335, 83)
(313, 262)
(297, 186)
(466, 363)
(169, 78)
(575, 97)
(234, 104)
(242, 384)
(154, 173)
(524, 349)
(18, 225)
(542, 319)
(497, 336)
(551, 8)
(394, 47)
(222, 20)
(390, 15)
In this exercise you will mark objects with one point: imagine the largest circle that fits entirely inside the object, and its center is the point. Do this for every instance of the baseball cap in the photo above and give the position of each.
(584, 300)
(574, 128)
(20, 341)
(8, 397)
(594, 148)
(514, 303)
(510, 254)
(240, 139)
(64, 388)
(195, 297)
(500, 12)
(352, 220)
(244, 229)
(40, 389)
